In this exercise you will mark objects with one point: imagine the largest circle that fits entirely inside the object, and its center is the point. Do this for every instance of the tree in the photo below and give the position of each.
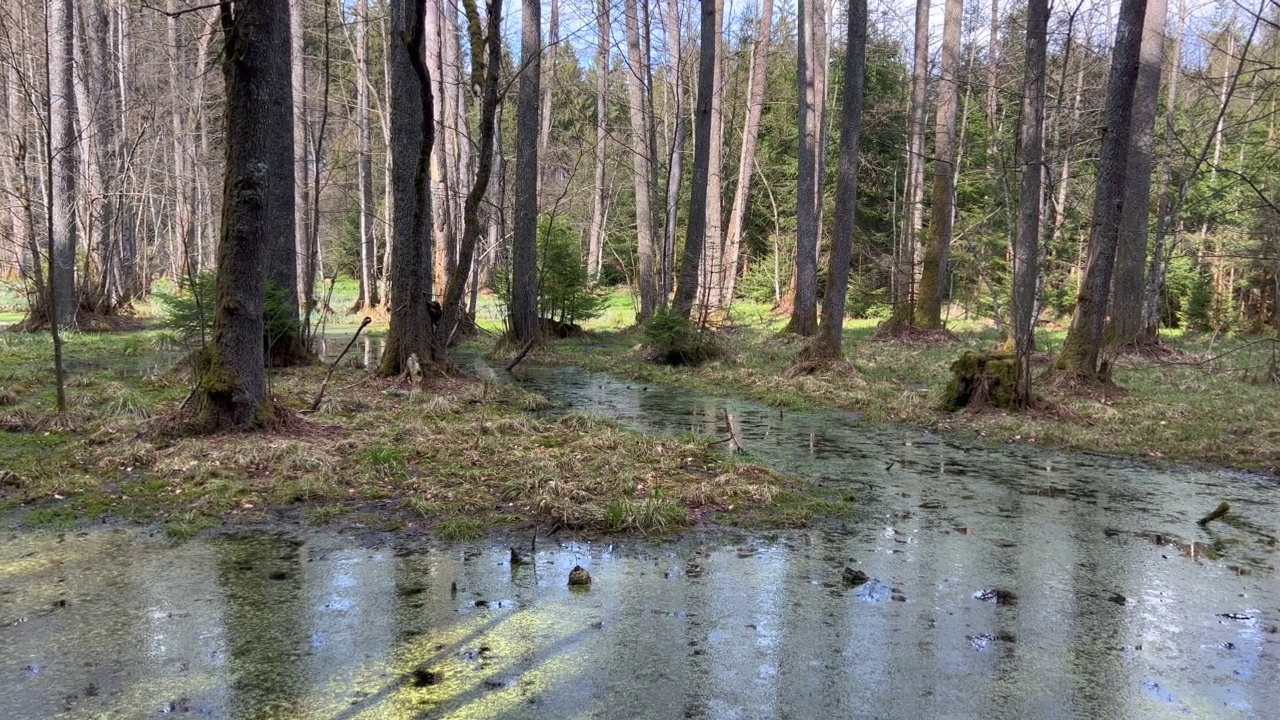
(62, 144)
(937, 253)
(649, 265)
(368, 248)
(696, 239)
(810, 88)
(1082, 349)
(524, 241)
(1131, 251)
(1026, 263)
(412, 138)
(904, 273)
(232, 389)
(595, 243)
(747, 155)
(829, 340)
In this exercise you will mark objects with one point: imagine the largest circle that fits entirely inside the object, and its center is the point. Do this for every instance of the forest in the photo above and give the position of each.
(903, 210)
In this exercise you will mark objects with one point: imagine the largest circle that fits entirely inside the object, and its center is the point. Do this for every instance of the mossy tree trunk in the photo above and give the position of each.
(828, 342)
(232, 392)
(412, 136)
(1082, 349)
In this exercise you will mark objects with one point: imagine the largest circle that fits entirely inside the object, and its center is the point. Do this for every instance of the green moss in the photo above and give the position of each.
(981, 379)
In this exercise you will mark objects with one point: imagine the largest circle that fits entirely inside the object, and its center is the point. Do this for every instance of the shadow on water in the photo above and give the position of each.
(1002, 582)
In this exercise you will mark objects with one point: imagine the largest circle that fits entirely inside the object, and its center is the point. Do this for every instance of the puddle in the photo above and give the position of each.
(1005, 582)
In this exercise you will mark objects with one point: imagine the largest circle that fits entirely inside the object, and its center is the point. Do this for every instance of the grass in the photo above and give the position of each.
(457, 459)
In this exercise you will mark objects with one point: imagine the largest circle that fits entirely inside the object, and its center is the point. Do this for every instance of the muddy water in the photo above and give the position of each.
(1112, 602)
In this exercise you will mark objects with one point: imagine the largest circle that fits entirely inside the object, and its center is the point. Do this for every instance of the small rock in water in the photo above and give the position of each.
(854, 577)
(424, 677)
(516, 558)
(1118, 599)
(997, 596)
(579, 577)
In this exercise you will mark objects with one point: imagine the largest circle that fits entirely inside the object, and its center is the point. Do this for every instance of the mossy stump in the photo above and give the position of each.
(982, 380)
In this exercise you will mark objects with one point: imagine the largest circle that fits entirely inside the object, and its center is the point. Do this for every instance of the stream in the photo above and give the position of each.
(1000, 582)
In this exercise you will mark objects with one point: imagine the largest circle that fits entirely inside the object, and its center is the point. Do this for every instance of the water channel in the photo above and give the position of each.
(1004, 582)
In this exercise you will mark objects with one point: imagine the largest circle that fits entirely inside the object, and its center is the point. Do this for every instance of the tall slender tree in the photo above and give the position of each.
(1026, 261)
(937, 253)
(905, 271)
(1081, 351)
(804, 311)
(595, 244)
(696, 239)
(524, 241)
(649, 265)
(61, 147)
(368, 246)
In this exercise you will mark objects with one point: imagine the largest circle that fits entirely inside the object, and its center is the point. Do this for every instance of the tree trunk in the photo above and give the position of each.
(524, 240)
(301, 158)
(829, 341)
(1083, 346)
(933, 275)
(695, 240)
(547, 89)
(1131, 251)
(1158, 268)
(232, 392)
(595, 244)
(904, 283)
(1026, 260)
(368, 249)
(649, 262)
(747, 156)
(713, 243)
(99, 117)
(63, 152)
(993, 105)
(412, 136)
(679, 139)
(804, 310)
(442, 218)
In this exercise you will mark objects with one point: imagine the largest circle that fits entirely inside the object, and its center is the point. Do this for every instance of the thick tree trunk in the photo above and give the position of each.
(937, 254)
(1158, 267)
(1131, 252)
(649, 261)
(63, 156)
(804, 287)
(368, 248)
(904, 275)
(98, 122)
(1082, 349)
(412, 137)
(829, 341)
(713, 275)
(442, 218)
(687, 281)
(232, 391)
(595, 244)
(747, 156)
(301, 158)
(1026, 260)
(524, 241)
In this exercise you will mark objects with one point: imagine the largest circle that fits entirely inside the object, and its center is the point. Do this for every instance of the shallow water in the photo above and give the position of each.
(1122, 606)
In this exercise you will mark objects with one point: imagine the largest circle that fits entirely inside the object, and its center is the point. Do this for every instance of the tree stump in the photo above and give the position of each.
(982, 380)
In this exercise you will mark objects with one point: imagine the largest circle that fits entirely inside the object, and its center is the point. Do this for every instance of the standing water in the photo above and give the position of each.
(1002, 582)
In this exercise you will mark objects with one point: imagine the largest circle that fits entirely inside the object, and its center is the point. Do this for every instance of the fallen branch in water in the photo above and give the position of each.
(329, 375)
(735, 445)
(519, 356)
(1222, 509)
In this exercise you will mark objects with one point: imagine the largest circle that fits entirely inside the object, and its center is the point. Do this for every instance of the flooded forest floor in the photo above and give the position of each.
(466, 455)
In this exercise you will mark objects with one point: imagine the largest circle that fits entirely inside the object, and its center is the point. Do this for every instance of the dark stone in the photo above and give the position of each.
(423, 677)
(854, 577)
(997, 596)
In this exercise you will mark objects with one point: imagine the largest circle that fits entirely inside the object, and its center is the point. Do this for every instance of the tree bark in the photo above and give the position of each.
(1131, 252)
(695, 240)
(368, 248)
(63, 156)
(547, 90)
(1026, 261)
(1083, 346)
(649, 263)
(301, 158)
(747, 156)
(713, 245)
(937, 254)
(595, 244)
(804, 310)
(524, 250)
(232, 391)
(412, 137)
(678, 117)
(829, 341)
(1158, 267)
(904, 283)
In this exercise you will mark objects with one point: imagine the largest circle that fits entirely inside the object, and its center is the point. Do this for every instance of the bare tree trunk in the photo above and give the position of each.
(1083, 346)
(1158, 267)
(679, 139)
(747, 156)
(829, 340)
(548, 87)
(1026, 251)
(904, 282)
(62, 151)
(442, 220)
(804, 311)
(1131, 252)
(232, 392)
(649, 266)
(368, 249)
(713, 244)
(687, 281)
(993, 57)
(301, 156)
(933, 276)
(524, 242)
(98, 122)
(410, 103)
(595, 244)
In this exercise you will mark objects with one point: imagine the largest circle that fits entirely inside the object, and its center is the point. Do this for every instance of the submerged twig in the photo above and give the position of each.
(519, 356)
(1222, 509)
(329, 375)
(735, 445)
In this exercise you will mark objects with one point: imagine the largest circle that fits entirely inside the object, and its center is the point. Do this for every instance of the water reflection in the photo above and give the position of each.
(1121, 605)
